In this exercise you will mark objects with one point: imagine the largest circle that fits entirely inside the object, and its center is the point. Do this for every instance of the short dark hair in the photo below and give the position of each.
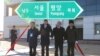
(33, 22)
(45, 20)
(14, 26)
(71, 21)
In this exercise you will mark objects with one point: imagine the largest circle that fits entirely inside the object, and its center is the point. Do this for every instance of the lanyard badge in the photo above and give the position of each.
(31, 35)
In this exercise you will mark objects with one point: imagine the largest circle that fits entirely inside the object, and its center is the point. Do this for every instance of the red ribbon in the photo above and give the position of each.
(80, 50)
(16, 40)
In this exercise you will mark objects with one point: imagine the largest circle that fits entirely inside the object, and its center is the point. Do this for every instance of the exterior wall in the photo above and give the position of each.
(97, 20)
(1, 15)
(79, 23)
(15, 20)
(1, 18)
(88, 27)
(10, 21)
(15, 1)
(87, 23)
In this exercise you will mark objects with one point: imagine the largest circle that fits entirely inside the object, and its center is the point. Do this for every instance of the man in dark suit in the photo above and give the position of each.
(58, 33)
(13, 36)
(45, 30)
(32, 38)
(71, 37)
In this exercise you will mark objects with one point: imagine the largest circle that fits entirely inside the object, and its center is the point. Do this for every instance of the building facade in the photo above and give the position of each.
(88, 22)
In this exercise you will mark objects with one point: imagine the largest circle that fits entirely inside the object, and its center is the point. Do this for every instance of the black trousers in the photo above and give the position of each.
(12, 43)
(43, 49)
(58, 46)
(32, 51)
(70, 50)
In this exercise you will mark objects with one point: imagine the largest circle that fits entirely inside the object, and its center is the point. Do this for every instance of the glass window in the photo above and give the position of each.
(91, 8)
(98, 12)
(89, 13)
(98, 2)
(11, 10)
(97, 28)
(81, 2)
(98, 7)
(91, 2)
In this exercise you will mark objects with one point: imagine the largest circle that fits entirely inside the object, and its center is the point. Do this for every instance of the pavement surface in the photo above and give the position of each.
(21, 48)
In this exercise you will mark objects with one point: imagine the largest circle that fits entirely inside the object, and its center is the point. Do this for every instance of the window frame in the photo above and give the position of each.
(95, 30)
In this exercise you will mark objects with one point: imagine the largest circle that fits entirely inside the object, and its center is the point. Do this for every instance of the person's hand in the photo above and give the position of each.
(76, 42)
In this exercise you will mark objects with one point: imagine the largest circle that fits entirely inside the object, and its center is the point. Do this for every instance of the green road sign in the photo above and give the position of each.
(32, 10)
(64, 10)
(49, 10)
